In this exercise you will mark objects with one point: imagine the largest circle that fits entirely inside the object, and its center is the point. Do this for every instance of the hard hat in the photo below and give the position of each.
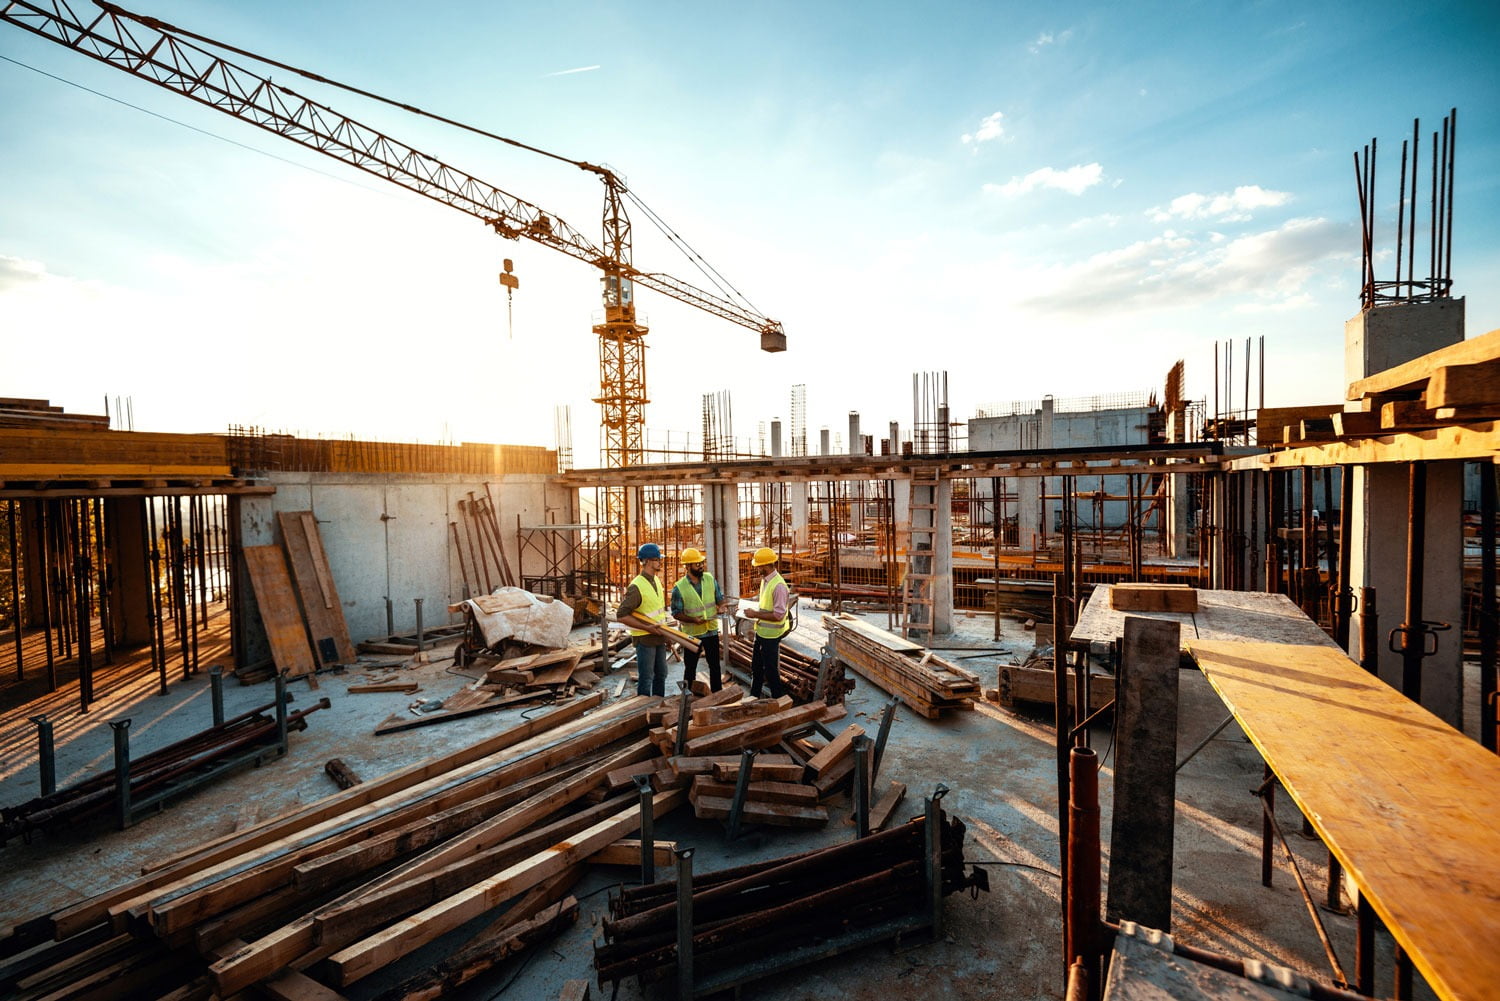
(649, 551)
(762, 556)
(689, 556)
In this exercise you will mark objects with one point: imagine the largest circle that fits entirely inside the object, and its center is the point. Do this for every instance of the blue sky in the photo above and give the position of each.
(1060, 199)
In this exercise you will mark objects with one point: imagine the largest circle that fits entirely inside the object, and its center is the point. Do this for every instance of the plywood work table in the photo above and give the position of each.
(1247, 616)
(1404, 802)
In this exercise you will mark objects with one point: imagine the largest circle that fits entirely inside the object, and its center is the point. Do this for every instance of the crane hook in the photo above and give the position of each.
(511, 283)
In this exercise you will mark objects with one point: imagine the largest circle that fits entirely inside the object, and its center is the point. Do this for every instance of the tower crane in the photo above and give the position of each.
(163, 54)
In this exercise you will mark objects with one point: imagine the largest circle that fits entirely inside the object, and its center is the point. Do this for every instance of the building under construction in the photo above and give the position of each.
(1076, 629)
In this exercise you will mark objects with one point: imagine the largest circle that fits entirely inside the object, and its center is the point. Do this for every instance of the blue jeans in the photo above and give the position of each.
(650, 669)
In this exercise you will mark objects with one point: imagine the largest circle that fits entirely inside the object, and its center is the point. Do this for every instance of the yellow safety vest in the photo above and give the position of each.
(653, 607)
(695, 602)
(772, 629)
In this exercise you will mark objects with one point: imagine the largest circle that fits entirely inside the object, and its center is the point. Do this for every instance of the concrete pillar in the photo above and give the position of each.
(721, 533)
(1375, 340)
(1179, 521)
(930, 510)
(776, 439)
(856, 440)
(796, 498)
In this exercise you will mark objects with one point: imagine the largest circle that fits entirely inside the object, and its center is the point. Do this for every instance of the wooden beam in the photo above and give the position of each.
(1415, 373)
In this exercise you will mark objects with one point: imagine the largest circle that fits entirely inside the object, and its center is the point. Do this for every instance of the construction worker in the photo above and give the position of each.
(697, 601)
(772, 623)
(646, 599)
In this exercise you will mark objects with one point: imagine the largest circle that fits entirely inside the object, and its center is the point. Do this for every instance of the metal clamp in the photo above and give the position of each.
(1427, 629)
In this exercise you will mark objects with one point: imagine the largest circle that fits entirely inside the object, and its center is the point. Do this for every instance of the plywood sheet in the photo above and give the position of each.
(1244, 616)
(315, 586)
(1403, 800)
(278, 610)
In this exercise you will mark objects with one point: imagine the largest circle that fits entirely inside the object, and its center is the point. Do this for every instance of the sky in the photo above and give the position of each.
(1060, 199)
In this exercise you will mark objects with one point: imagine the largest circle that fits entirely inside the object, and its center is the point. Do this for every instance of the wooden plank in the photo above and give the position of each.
(380, 950)
(277, 602)
(321, 608)
(404, 687)
(744, 710)
(1270, 421)
(1405, 802)
(773, 814)
(1018, 683)
(751, 732)
(761, 792)
(627, 851)
(162, 874)
(1464, 385)
(1415, 373)
(838, 748)
(1145, 792)
(1153, 598)
(1227, 615)
(1356, 423)
(885, 806)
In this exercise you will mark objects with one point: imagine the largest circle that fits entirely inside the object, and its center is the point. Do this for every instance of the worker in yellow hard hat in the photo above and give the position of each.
(697, 600)
(645, 599)
(772, 622)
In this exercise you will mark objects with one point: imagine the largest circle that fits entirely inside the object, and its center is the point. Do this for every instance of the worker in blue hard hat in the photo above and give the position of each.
(646, 599)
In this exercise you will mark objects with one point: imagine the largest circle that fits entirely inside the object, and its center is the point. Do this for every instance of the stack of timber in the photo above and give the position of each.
(918, 677)
(822, 899)
(1017, 598)
(151, 778)
(799, 672)
(41, 414)
(324, 895)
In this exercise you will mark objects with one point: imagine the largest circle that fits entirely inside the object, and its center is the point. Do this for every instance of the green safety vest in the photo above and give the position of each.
(772, 629)
(653, 607)
(695, 602)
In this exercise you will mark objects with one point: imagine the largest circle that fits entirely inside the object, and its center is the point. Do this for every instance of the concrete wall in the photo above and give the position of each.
(1048, 429)
(388, 536)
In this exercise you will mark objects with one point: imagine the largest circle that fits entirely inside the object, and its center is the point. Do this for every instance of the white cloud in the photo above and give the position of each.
(1236, 206)
(578, 69)
(1047, 38)
(16, 272)
(1271, 269)
(1074, 180)
(988, 129)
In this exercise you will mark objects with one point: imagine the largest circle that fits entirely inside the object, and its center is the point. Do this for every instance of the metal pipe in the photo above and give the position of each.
(933, 832)
(1081, 933)
(1412, 635)
(122, 771)
(1204, 742)
(46, 762)
(281, 700)
(648, 840)
(862, 786)
(1267, 793)
(1364, 945)
(1369, 632)
(1268, 811)
(216, 693)
(684, 706)
(15, 586)
(1489, 622)
(1346, 550)
(741, 791)
(685, 924)
(421, 639)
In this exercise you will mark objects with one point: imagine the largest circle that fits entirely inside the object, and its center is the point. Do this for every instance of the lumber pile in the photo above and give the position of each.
(326, 894)
(832, 898)
(918, 677)
(799, 672)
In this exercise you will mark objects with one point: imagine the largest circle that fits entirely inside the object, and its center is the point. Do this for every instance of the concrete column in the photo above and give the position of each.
(856, 440)
(796, 498)
(721, 534)
(1179, 506)
(1375, 340)
(935, 526)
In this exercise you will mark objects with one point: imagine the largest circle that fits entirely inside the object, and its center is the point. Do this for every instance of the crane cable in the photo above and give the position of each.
(605, 174)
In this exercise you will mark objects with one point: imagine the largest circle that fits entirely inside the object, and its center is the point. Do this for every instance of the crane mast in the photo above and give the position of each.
(152, 50)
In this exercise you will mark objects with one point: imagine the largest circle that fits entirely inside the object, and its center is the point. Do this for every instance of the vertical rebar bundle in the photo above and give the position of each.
(1406, 287)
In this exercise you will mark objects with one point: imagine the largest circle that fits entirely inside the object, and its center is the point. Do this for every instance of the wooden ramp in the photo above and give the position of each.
(1405, 802)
